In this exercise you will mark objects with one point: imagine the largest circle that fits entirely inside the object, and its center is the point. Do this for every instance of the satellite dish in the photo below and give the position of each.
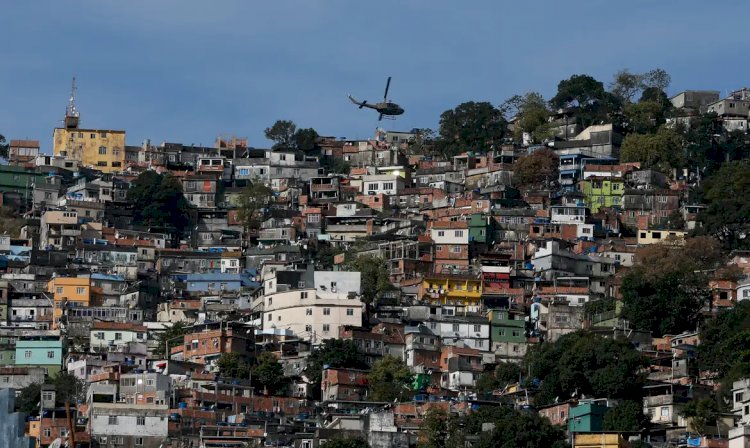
(57, 443)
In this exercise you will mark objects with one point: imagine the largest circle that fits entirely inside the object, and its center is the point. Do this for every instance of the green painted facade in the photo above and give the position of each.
(480, 228)
(586, 417)
(506, 326)
(17, 179)
(602, 193)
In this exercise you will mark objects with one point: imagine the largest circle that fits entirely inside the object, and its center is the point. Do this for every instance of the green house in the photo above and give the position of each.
(507, 326)
(586, 417)
(481, 228)
(602, 192)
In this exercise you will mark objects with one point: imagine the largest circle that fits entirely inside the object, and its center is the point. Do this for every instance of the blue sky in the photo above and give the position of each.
(187, 71)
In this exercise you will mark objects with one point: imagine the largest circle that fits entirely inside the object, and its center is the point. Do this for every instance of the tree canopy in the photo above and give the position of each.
(662, 150)
(531, 114)
(511, 428)
(232, 365)
(666, 290)
(157, 200)
(285, 135)
(725, 344)
(375, 279)
(269, 373)
(3, 147)
(584, 363)
(253, 200)
(627, 416)
(727, 216)
(170, 337)
(390, 379)
(540, 168)
(471, 126)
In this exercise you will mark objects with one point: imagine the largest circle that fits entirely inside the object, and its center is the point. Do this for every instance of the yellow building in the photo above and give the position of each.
(68, 292)
(456, 290)
(100, 149)
(676, 237)
(599, 440)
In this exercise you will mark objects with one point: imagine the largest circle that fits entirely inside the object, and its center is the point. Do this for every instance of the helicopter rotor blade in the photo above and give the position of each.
(387, 85)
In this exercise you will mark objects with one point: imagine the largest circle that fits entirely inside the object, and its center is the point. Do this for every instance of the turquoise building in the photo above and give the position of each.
(586, 417)
(46, 354)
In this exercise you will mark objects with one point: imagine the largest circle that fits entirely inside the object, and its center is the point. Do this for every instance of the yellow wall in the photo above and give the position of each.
(658, 236)
(84, 144)
(601, 440)
(68, 288)
(465, 291)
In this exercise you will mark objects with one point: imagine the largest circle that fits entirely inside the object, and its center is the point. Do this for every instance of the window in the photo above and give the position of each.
(93, 135)
(270, 316)
(441, 233)
(80, 290)
(112, 419)
(477, 328)
(47, 432)
(116, 164)
(270, 301)
(455, 327)
(118, 336)
(101, 163)
(350, 311)
(303, 295)
(456, 249)
(103, 150)
(326, 328)
(387, 185)
(308, 312)
(139, 440)
(50, 354)
(140, 420)
(459, 233)
(27, 354)
(326, 311)
(59, 290)
(738, 396)
(665, 411)
(308, 328)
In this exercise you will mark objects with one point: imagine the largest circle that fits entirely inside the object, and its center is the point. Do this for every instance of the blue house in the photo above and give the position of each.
(211, 283)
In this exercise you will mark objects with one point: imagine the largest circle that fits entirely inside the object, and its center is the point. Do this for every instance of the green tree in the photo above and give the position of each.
(701, 413)
(662, 150)
(505, 373)
(727, 216)
(587, 99)
(626, 85)
(334, 353)
(540, 169)
(340, 166)
(356, 442)
(423, 142)
(306, 140)
(627, 416)
(471, 126)
(157, 200)
(170, 337)
(531, 115)
(232, 365)
(584, 363)
(644, 117)
(725, 344)
(657, 78)
(667, 288)
(252, 202)
(269, 373)
(28, 398)
(3, 147)
(282, 133)
(438, 430)
(375, 279)
(390, 379)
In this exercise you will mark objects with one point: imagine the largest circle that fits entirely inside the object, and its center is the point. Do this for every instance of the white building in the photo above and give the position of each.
(104, 335)
(462, 332)
(314, 313)
(129, 425)
(389, 184)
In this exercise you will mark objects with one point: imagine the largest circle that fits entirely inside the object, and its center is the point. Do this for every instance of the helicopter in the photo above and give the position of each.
(386, 108)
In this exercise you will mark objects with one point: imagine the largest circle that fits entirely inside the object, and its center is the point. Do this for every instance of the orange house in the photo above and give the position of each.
(68, 292)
